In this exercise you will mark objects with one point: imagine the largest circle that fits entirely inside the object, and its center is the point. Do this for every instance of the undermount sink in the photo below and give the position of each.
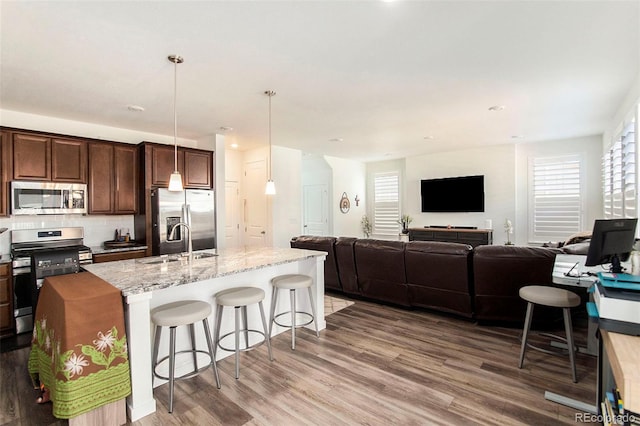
(161, 260)
(203, 255)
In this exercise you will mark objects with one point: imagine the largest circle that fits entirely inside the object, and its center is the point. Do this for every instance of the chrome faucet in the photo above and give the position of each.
(173, 231)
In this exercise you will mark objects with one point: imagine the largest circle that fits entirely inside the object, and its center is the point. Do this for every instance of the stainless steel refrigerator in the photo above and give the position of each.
(196, 207)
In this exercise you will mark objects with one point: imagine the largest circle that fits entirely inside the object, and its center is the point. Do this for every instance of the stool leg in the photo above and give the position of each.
(246, 326)
(264, 324)
(172, 363)
(212, 352)
(572, 350)
(237, 336)
(313, 311)
(156, 348)
(192, 336)
(274, 302)
(292, 295)
(216, 337)
(525, 332)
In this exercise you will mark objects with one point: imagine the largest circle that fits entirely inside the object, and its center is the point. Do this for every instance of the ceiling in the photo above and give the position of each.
(366, 80)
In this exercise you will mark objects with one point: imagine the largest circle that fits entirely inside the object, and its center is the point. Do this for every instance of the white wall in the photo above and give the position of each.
(286, 205)
(590, 148)
(631, 99)
(347, 176)
(496, 163)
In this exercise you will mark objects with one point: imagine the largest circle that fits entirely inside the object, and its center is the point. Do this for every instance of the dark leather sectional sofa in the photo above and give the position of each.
(480, 283)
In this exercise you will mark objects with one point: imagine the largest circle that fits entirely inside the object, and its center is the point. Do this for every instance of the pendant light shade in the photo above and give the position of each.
(270, 189)
(175, 180)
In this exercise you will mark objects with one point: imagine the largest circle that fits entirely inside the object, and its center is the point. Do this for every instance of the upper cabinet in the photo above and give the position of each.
(4, 186)
(113, 174)
(42, 158)
(195, 165)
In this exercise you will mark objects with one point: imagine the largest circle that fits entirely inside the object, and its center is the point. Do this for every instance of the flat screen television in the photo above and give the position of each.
(611, 242)
(453, 194)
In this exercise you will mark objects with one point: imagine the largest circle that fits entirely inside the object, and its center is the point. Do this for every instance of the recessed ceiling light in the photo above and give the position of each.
(428, 137)
(225, 129)
(234, 145)
(336, 140)
(496, 108)
(517, 136)
(135, 108)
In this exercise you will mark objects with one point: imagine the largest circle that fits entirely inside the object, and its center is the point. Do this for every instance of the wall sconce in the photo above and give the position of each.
(357, 200)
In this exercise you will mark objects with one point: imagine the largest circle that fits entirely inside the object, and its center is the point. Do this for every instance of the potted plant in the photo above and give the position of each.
(366, 226)
(405, 220)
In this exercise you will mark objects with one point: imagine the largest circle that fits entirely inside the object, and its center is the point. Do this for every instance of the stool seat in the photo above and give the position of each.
(549, 296)
(239, 296)
(180, 313)
(292, 281)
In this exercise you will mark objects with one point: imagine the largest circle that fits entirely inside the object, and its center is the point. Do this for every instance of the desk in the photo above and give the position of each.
(79, 349)
(622, 356)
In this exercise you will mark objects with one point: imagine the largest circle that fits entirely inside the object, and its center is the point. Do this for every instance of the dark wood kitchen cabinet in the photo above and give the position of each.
(195, 166)
(4, 178)
(39, 157)
(6, 300)
(113, 172)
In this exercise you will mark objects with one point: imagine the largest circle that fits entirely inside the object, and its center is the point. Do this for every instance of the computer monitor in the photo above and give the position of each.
(611, 242)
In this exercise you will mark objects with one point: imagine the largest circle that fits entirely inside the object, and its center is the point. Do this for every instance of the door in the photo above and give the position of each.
(316, 209)
(255, 203)
(200, 210)
(232, 216)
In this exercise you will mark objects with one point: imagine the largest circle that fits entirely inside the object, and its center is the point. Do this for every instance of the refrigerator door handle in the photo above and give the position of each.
(187, 209)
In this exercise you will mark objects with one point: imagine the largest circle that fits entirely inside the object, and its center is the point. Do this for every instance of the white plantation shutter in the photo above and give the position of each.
(555, 198)
(619, 175)
(386, 203)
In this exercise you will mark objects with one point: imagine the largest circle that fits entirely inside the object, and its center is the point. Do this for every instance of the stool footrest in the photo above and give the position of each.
(307, 314)
(187, 375)
(248, 348)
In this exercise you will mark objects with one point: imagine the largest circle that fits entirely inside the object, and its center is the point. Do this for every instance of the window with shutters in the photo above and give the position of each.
(386, 203)
(619, 172)
(554, 196)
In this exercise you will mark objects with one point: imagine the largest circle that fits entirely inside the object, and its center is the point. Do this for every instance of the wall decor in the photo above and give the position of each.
(345, 204)
(357, 200)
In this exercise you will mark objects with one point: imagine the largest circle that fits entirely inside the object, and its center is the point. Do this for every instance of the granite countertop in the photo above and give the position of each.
(103, 250)
(137, 276)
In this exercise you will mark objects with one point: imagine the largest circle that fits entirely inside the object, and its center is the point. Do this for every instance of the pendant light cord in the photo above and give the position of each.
(271, 93)
(175, 115)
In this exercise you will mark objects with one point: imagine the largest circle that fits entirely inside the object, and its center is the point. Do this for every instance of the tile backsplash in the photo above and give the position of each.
(97, 229)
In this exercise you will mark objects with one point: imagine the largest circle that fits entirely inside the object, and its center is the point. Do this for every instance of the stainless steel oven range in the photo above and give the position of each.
(37, 254)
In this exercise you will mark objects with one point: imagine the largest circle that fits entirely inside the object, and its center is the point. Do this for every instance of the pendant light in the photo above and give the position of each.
(175, 181)
(270, 189)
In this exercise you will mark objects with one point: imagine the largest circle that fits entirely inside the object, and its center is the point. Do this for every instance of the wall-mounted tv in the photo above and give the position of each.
(453, 194)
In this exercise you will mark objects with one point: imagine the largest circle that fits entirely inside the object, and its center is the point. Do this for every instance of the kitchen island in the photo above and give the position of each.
(149, 282)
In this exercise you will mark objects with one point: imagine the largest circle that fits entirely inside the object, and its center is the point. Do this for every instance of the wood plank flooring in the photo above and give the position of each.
(374, 365)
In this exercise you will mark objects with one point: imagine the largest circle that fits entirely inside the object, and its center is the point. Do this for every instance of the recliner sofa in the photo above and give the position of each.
(480, 283)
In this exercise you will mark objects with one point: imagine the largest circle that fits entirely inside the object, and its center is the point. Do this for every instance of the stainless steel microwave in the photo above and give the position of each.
(48, 198)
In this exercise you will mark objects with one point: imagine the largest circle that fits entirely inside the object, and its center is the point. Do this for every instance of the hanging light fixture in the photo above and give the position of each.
(271, 187)
(175, 181)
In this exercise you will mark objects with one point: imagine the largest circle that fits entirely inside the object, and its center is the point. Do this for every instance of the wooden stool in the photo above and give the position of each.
(172, 315)
(553, 297)
(240, 298)
(292, 282)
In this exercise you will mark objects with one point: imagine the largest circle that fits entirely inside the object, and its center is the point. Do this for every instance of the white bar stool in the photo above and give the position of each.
(553, 297)
(292, 282)
(240, 298)
(172, 315)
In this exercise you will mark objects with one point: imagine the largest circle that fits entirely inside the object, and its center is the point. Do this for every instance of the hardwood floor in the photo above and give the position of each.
(373, 365)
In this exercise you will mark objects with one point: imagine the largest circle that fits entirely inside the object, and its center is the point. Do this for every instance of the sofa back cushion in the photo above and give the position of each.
(346, 263)
(326, 244)
(381, 270)
(500, 271)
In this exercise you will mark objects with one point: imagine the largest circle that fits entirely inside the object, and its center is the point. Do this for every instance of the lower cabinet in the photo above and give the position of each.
(6, 300)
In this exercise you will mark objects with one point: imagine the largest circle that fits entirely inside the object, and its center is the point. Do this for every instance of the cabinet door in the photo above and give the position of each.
(4, 139)
(100, 178)
(162, 164)
(6, 296)
(31, 157)
(68, 160)
(126, 179)
(198, 167)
